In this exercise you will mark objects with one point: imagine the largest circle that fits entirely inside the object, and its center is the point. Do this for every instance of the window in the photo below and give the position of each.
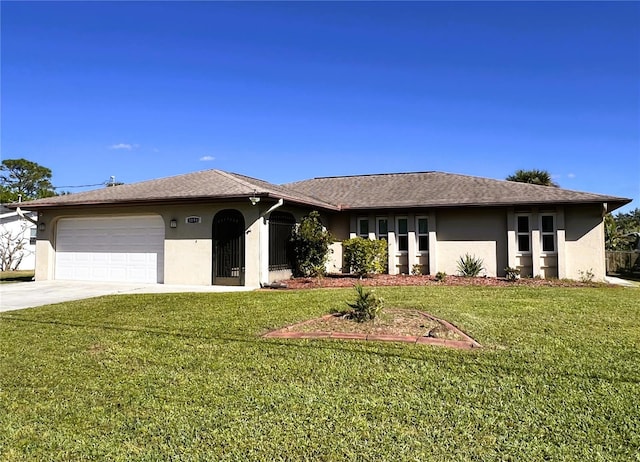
(548, 233)
(280, 226)
(33, 236)
(423, 234)
(382, 231)
(363, 228)
(523, 233)
(403, 235)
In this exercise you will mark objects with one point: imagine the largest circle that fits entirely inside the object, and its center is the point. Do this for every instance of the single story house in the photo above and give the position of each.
(17, 240)
(216, 227)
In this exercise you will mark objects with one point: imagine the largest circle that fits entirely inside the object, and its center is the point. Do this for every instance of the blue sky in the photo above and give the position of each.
(288, 91)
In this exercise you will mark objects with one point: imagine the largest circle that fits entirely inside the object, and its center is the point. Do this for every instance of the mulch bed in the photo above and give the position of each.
(437, 332)
(388, 280)
(393, 325)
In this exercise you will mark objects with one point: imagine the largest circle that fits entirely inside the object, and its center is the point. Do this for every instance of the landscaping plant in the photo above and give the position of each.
(146, 377)
(310, 241)
(512, 274)
(586, 276)
(365, 256)
(366, 306)
(470, 266)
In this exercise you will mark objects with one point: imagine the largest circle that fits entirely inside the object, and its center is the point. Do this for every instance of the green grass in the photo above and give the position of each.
(15, 276)
(187, 377)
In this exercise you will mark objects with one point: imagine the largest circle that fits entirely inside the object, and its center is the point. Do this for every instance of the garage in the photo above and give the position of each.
(110, 249)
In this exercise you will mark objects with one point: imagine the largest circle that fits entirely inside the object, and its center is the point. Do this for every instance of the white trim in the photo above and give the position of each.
(398, 235)
(519, 233)
(378, 234)
(548, 233)
(419, 235)
(358, 230)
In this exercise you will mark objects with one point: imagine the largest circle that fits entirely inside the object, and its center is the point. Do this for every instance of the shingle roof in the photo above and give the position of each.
(437, 189)
(207, 184)
(390, 190)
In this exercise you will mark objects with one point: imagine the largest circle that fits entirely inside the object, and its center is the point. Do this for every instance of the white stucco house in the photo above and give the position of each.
(216, 227)
(17, 239)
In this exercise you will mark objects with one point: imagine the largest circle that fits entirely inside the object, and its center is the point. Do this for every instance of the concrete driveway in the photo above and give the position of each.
(19, 295)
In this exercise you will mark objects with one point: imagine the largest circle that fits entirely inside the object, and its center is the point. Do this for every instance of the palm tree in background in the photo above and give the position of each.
(540, 177)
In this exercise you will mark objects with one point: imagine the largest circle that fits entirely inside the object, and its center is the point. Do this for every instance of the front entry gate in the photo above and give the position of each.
(228, 248)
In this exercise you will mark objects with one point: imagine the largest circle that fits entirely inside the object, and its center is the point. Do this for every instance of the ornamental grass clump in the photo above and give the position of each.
(511, 274)
(366, 306)
(470, 266)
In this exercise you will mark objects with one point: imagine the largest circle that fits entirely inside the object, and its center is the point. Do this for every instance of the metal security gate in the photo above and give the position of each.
(228, 248)
(281, 225)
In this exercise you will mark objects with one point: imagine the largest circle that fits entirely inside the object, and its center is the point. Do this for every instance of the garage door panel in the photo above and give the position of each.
(118, 249)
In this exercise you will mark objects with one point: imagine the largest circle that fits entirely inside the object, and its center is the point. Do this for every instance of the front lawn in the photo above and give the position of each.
(16, 276)
(188, 377)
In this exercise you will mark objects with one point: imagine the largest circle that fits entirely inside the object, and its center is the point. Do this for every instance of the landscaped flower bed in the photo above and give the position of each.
(387, 280)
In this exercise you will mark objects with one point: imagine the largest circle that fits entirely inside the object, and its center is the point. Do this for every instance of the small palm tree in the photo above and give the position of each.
(540, 177)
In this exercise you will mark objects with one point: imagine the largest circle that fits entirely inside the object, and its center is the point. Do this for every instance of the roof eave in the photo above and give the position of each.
(612, 204)
(167, 201)
(302, 201)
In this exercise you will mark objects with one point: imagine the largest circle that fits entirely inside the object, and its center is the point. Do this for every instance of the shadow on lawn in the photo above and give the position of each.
(359, 347)
(370, 348)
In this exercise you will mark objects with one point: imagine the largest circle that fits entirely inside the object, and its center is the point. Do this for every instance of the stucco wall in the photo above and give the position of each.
(279, 275)
(479, 232)
(338, 225)
(584, 242)
(188, 247)
(482, 233)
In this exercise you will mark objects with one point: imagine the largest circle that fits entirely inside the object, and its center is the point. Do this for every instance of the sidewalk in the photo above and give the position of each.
(19, 295)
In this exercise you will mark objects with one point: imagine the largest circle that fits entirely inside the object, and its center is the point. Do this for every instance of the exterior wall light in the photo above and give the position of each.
(173, 223)
(254, 199)
(42, 227)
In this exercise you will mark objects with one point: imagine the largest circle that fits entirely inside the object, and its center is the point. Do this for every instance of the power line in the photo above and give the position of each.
(110, 181)
(82, 185)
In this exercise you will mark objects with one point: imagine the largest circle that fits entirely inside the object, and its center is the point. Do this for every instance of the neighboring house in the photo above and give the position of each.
(17, 239)
(215, 227)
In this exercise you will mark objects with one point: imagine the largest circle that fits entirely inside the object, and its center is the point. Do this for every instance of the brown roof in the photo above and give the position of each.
(436, 189)
(203, 185)
(391, 190)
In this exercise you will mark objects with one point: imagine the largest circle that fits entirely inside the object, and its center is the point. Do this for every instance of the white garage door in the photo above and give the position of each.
(114, 249)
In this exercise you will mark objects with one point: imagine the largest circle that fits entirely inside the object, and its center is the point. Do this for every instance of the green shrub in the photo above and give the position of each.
(366, 307)
(441, 276)
(470, 266)
(365, 256)
(512, 274)
(310, 242)
(417, 270)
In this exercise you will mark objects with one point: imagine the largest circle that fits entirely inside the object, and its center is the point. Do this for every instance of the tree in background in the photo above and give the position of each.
(21, 179)
(619, 227)
(12, 248)
(540, 177)
(310, 241)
